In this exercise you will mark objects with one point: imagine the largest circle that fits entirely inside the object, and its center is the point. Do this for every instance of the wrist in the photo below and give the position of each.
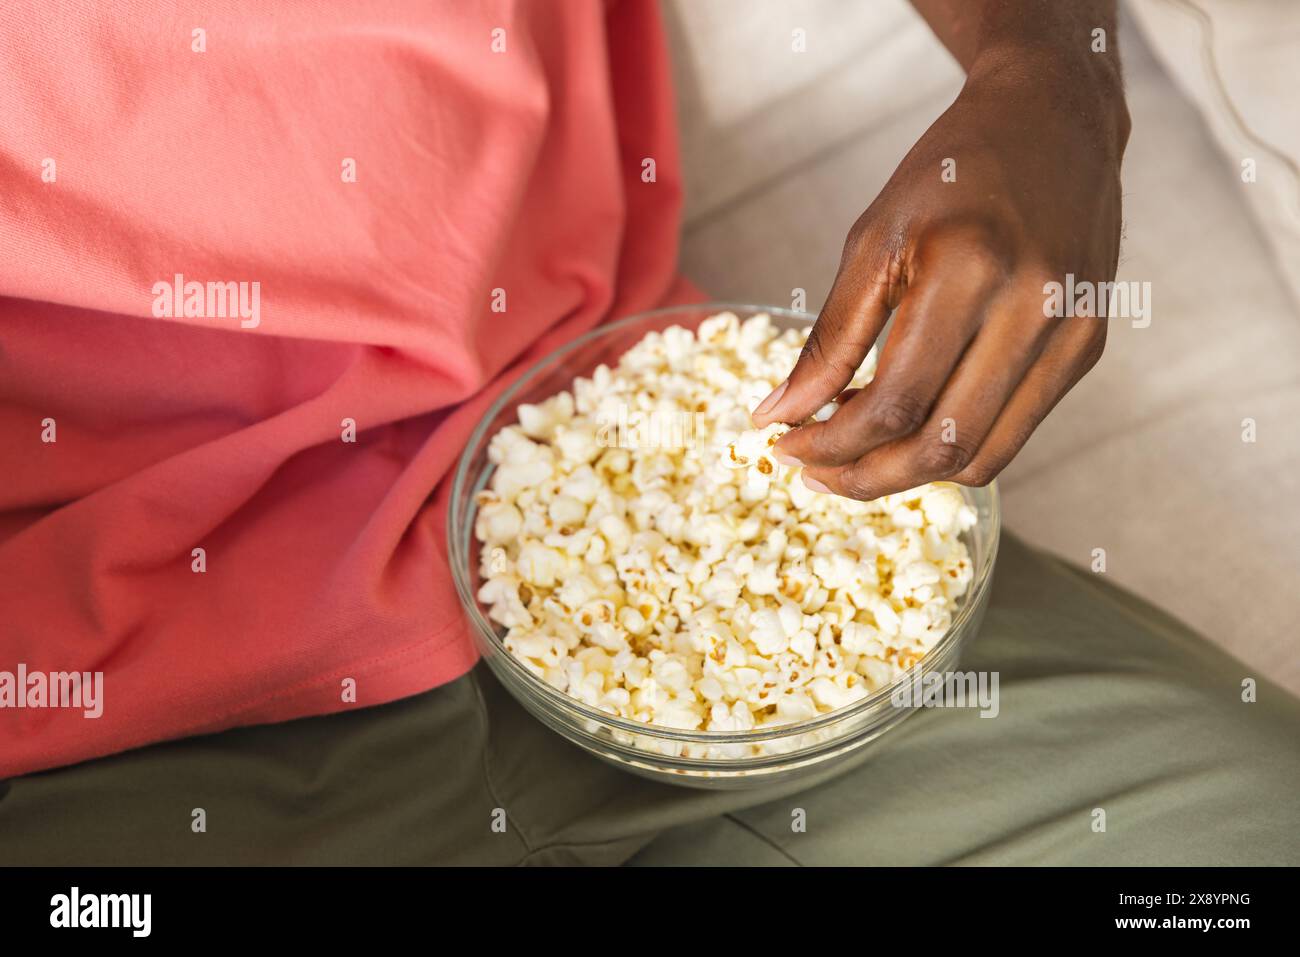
(1056, 73)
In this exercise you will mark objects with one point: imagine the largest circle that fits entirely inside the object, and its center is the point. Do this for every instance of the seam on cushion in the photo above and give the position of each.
(1211, 66)
(481, 705)
(645, 837)
(745, 826)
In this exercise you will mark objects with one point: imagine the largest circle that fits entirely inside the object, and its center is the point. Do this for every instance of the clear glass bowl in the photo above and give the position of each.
(711, 759)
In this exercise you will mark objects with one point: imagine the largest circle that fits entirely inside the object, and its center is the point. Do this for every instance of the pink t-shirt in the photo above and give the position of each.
(229, 229)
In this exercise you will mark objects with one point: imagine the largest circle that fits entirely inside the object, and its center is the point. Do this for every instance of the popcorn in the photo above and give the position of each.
(498, 522)
(539, 565)
(752, 450)
(540, 421)
(647, 555)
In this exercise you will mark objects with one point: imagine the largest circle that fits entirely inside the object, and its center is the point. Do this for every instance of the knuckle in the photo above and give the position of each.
(979, 472)
(979, 244)
(988, 464)
(818, 352)
(983, 258)
(814, 349)
(853, 484)
(899, 414)
(1092, 352)
(854, 242)
(1020, 437)
(943, 458)
(858, 239)
(831, 446)
(1034, 304)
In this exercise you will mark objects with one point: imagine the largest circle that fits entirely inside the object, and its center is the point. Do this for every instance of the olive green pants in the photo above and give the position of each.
(1107, 705)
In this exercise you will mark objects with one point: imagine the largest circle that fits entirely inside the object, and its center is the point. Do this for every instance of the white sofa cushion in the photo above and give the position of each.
(1239, 62)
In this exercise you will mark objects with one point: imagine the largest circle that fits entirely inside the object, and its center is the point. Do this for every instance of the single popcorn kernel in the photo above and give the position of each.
(646, 554)
(750, 447)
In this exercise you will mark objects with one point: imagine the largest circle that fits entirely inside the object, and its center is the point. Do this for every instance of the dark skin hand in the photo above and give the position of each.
(972, 365)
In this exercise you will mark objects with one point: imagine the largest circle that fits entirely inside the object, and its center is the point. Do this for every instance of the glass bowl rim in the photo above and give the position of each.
(565, 703)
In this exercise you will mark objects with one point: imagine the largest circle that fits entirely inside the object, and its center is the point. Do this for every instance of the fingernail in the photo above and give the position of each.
(789, 460)
(813, 484)
(768, 404)
(825, 412)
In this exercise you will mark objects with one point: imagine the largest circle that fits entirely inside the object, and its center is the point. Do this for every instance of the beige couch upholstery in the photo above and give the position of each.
(1145, 458)
(1237, 60)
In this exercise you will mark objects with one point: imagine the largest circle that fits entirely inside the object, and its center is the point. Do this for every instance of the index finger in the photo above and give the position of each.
(839, 341)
